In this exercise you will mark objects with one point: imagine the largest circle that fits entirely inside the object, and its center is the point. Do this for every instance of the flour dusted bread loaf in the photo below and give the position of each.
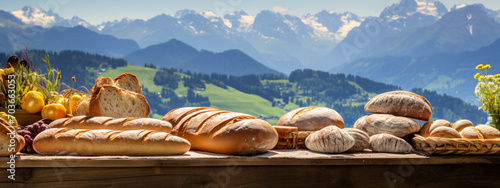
(99, 122)
(64, 141)
(82, 108)
(125, 81)
(311, 118)
(7, 133)
(362, 139)
(115, 102)
(401, 103)
(429, 126)
(389, 143)
(330, 139)
(384, 123)
(224, 132)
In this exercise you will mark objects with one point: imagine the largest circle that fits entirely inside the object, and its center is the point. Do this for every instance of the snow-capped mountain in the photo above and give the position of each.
(34, 16)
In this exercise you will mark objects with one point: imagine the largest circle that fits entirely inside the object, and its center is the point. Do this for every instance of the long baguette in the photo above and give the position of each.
(224, 132)
(64, 141)
(97, 122)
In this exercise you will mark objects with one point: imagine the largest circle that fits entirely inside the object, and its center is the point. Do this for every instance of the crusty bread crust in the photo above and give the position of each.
(401, 103)
(134, 85)
(96, 108)
(311, 118)
(109, 123)
(64, 141)
(221, 131)
(102, 81)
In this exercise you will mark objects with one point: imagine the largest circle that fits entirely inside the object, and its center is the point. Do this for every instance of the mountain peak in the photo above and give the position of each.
(410, 7)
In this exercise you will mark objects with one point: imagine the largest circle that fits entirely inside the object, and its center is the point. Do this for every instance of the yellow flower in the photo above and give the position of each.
(487, 66)
(497, 76)
(477, 76)
(491, 84)
(498, 80)
(480, 66)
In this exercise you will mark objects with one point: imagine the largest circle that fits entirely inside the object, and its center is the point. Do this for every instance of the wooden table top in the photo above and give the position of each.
(271, 158)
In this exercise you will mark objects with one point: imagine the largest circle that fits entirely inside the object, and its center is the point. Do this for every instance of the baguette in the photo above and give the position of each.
(115, 102)
(64, 141)
(224, 132)
(401, 103)
(311, 118)
(96, 122)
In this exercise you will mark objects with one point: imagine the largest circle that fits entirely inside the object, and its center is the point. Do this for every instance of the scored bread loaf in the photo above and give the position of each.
(224, 132)
(330, 139)
(362, 139)
(311, 118)
(64, 141)
(115, 102)
(99, 122)
(401, 103)
(385, 123)
(125, 81)
(6, 131)
(82, 108)
(389, 143)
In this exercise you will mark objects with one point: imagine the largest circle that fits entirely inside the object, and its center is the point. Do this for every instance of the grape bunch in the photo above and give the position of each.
(29, 133)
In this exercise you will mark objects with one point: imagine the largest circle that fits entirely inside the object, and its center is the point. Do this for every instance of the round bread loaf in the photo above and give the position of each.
(384, 123)
(401, 103)
(461, 124)
(471, 133)
(361, 139)
(445, 132)
(428, 127)
(311, 118)
(488, 132)
(389, 143)
(330, 139)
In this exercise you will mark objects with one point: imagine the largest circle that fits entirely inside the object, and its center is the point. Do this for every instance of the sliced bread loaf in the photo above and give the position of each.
(82, 108)
(116, 102)
(103, 81)
(129, 82)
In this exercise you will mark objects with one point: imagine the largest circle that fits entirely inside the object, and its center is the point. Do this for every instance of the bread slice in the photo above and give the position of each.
(82, 108)
(103, 81)
(115, 102)
(129, 82)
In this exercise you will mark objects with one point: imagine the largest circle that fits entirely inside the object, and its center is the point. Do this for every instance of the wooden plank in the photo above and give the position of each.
(272, 158)
(465, 175)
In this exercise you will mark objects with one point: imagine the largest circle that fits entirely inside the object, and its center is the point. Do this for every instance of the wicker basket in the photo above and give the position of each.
(460, 146)
(291, 138)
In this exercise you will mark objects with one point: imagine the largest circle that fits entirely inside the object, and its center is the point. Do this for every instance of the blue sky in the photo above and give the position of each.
(97, 11)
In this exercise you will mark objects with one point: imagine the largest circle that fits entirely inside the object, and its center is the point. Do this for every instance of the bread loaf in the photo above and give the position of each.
(224, 132)
(311, 118)
(389, 143)
(401, 103)
(330, 139)
(125, 81)
(103, 81)
(384, 123)
(98, 122)
(471, 133)
(428, 127)
(63, 141)
(461, 124)
(82, 108)
(362, 140)
(9, 145)
(445, 132)
(115, 102)
(488, 132)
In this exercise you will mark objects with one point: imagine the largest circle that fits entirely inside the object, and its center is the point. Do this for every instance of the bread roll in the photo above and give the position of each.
(63, 141)
(330, 139)
(115, 102)
(445, 132)
(82, 108)
(98, 122)
(428, 127)
(389, 143)
(362, 140)
(471, 133)
(461, 124)
(224, 132)
(384, 123)
(311, 118)
(9, 145)
(401, 103)
(488, 132)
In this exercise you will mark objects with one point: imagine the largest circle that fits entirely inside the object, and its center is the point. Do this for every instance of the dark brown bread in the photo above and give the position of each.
(401, 103)
(221, 131)
(311, 118)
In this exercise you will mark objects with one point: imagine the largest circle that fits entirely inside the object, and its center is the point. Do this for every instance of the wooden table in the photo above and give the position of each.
(277, 168)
